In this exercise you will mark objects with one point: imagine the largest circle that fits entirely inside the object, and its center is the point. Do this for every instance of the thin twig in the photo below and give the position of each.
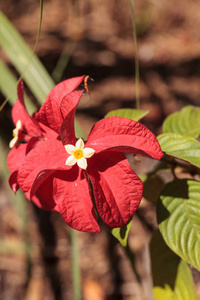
(137, 72)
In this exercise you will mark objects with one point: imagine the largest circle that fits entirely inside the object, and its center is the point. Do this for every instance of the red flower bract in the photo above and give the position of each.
(107, 188)
(29, 128)
(33, 131)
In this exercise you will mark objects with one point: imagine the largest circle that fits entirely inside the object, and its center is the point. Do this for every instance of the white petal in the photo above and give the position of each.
(13, 142)
(88, 152)
(80, 144)
(82, 163)
(19, 124)
(71, 160)
(70, 148)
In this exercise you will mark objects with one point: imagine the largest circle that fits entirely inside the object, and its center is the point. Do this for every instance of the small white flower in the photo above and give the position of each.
(78, 154)
(15, 134)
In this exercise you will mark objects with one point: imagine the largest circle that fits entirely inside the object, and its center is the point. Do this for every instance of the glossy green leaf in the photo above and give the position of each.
(182, 147)
(133, 114)
(172, 279)
(8, 83)
(24, 61)
(121, 233)
(185, 122)
(178, 215)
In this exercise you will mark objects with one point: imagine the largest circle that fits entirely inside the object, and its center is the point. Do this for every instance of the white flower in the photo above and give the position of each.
(78, 154)
(15, 134)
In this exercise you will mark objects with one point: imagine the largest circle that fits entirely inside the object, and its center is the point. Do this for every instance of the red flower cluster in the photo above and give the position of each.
(81, 181)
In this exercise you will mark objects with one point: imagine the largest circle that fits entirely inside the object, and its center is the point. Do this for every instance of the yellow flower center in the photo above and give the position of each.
(78, 154)
(15, 132)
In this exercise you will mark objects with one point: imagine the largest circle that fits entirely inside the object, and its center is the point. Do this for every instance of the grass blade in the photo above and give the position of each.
(137, 72)
(24, 61)
(8, 84)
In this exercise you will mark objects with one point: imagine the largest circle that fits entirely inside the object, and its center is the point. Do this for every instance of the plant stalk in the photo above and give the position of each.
(137, 72)
(76, 276)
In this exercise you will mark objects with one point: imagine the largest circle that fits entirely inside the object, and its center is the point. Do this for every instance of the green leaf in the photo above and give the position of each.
(182, 147)
(185, 122)
(143, 177)
(121, 233)
(133, 114)
(24, 61)
(172, 279)
(8, 83)
(178, 215)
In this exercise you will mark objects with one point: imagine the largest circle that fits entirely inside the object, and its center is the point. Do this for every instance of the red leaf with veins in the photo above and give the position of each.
(52, 185)
(19, 112)
(117, 189)
(72, 195)
(63, 88)
(50, 115)
(68, 108)
(46, 156)
(123, 135)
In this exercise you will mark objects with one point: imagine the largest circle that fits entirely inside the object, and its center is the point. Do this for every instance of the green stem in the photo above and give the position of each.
(76, 277)
(62, 62)
(137, 72)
